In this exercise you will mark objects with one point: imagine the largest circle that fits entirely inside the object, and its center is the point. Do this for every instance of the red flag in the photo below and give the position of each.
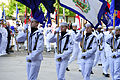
(25, 17)
(78, 22)
(108, 5)
(118, 14)
(56, 16)
(30, 16)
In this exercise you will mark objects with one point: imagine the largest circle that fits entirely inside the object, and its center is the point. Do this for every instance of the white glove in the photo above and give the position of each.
(26, 26)
(111, 55)
(58, 56)
(82, 30)
(28, 57)
(57, 29)
(113, 31)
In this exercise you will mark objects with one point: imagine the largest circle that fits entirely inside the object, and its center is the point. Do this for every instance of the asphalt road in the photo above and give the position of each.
(13, 67)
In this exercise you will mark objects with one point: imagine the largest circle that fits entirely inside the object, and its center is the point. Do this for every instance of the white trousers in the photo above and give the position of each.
(61, 69)
(4, 45)
(75, 53)
(33, 70)
(100, 55)
(115, 68)
(48, 46)
(86, 68)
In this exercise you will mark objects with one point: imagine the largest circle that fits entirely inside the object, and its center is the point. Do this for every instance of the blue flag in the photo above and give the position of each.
(117, 4)
(17, 11)
(49, 5)
(114, 6)
(48, 17)
(34, 6)
(38, 15)
(3, 14)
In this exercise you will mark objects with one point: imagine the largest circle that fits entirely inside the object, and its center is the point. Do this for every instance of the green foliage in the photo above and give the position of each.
(11, 8)
(67, 11)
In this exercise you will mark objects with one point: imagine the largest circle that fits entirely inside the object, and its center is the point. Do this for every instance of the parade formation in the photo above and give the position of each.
(95, 42)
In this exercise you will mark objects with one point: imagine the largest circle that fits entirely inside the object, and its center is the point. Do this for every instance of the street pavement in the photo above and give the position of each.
(13, 67)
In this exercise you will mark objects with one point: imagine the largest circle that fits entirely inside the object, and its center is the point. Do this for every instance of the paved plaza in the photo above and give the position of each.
(13, 67)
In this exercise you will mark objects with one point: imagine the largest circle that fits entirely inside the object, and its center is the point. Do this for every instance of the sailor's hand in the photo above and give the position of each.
(113, 32)
(83, 57)
(114, 56)
(57, 30)
(82, 30)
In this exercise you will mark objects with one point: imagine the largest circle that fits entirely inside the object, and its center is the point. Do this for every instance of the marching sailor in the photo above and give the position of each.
(4, 38)
(115, 55)
(76, 46)
(65, 49)
(49, 30)
(35, 47)
(88, 52)
(100, 53)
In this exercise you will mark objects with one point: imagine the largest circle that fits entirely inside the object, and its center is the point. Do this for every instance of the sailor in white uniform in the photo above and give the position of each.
(100, 53)
(48, 30)
(76, 47)
(65, 49)
(1, 21)
(36, 48)
(115, 55)
(88, 52)
(4, 39)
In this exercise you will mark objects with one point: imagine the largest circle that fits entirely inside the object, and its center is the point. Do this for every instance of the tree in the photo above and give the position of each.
(67, 11)
(11, 8)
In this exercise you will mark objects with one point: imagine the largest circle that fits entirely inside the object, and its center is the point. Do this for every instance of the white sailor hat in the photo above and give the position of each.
(1, 19)
(49, 24)
(17, 22)
(32, 19)
(41, 24)
(99, 26)
(63, 24)
(74, 24)
(110, 27)
(117, 28)
(88, 25)
(102, 29)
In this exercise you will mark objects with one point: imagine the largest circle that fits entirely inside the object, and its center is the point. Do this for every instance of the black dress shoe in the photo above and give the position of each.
(67, 69)
(106, 75)
(99, 64)
(79, 70)
(92, 72)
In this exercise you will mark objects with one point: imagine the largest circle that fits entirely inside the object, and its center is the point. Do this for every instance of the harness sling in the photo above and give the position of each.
(67, 39)
(36, 41)
(90, 43)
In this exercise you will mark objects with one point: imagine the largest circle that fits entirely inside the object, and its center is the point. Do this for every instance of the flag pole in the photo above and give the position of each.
(58, 32)
(15, 34)
(27, 30)
(113, 27)
(83, 36)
